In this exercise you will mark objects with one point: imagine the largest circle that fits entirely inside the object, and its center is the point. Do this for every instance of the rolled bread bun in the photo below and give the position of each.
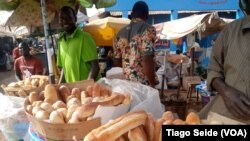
(74, 101)
(105, 91)
(47, 107)
(50, 92)
(168, 115)
(56, 117)
(59, 104)
(137, 134)
(179, 122)
(64, 92)
(71, 109)
(63, 111)
(35, 110)
(96, 90)
(42, 115)
(76, 93)
(37, 103)
(193, 119)
(29, 109)
(41, 96)
(33, 96)
(89, 90)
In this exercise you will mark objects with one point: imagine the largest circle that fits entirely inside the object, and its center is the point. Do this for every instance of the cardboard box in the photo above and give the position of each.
(79, 131)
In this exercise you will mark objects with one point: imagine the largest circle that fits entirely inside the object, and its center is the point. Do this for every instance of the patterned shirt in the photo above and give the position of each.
(132, 43)
(230, 60)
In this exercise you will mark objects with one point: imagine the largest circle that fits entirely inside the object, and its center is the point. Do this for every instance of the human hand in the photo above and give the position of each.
(237, 103)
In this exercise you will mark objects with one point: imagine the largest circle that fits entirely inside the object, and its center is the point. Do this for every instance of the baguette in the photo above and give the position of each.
(149, 127)
(157, 131)
(122, 127)
(113, 100)
(118, 127)
(137, 134)
(85, 111)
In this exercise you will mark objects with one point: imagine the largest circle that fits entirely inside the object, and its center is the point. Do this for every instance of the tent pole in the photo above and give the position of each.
(49, 54)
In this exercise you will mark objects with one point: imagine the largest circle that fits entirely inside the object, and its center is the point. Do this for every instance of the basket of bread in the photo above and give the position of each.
(62, 112)
(22, 88)
(138, 126)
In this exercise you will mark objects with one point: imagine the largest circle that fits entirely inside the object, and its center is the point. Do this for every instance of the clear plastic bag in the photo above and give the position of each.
(13, 120)
(143, 97)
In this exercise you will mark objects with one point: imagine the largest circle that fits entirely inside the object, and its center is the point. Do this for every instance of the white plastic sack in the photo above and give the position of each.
(13, 120)
(143, 97)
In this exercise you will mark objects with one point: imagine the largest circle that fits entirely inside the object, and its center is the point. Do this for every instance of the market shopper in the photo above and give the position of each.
(134, 47)
(27, 65)
(77, 53)
(228, 71)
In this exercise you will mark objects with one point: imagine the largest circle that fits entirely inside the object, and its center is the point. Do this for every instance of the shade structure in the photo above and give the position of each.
(206, 24)
(104, 30)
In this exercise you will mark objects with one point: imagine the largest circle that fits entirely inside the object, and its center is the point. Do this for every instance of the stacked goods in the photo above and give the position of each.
(22, 88)
(138, 126)
(69, 108)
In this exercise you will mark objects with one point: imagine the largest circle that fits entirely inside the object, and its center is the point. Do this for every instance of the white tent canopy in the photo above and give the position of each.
(181, 27)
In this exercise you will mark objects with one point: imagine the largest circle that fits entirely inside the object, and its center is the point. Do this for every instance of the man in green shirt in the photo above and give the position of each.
(77, 54)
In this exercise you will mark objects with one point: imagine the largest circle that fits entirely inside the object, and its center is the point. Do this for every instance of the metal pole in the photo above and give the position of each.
(49, 54)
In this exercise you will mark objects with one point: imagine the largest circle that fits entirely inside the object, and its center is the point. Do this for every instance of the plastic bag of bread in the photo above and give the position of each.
(142, 96)
(13, 120)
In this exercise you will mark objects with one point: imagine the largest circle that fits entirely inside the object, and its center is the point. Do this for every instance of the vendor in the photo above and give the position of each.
(27, 65)
(228, 71)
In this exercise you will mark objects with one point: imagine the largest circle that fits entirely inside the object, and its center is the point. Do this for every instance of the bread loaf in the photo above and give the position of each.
(89, 90)
(193, 119)
(64, 92)
(47, 107)
(96, 90)
(76, 93)
(42, 115)
(33, 96)
(56, 117)
(59, 104)
(50, 92)
(158, 126)
(149, 127)
(137, 134)
(116, 128)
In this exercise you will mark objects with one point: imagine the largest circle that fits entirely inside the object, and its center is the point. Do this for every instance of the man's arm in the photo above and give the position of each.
(148, 65)
(235, 101)
(94, 71)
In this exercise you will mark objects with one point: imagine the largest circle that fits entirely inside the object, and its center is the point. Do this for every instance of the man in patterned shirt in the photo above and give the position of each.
(134, 47)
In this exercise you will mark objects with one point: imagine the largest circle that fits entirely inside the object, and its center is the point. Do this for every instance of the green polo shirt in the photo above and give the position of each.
(74, 55)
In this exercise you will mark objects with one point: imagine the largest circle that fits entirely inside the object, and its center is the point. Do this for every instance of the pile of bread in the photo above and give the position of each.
(60, 104)
(138, 126)
(19, 88)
